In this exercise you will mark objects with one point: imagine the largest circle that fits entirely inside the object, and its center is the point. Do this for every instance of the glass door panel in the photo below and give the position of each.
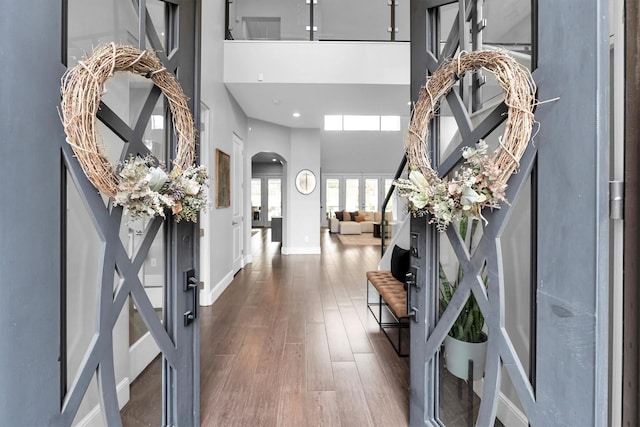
(261, 20)
(274, 202)
(352, 194)
(92, 22)
(256, 201)
(157, 13)
(338, 20)
(387, 186)
(332, 196)
(371, 194)
(403, 15)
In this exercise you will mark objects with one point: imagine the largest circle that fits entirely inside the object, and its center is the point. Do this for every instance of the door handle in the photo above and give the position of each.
(190, 283)
(410, 282)
(234, 223)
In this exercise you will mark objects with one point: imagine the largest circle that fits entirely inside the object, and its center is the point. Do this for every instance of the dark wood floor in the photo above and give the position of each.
(291, 343)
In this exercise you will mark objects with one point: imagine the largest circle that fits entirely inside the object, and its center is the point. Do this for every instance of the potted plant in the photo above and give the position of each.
(466, 340)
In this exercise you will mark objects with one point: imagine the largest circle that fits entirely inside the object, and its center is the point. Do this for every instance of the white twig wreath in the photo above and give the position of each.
(481, 180)
(139, 185)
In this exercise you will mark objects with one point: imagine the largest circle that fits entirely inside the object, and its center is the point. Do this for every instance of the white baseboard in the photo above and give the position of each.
(94, 417)
(314, 250)
(208, 298)
(507, 412)
(141, 354)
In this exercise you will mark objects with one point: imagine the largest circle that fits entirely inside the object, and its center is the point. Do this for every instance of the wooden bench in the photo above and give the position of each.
(387, 301)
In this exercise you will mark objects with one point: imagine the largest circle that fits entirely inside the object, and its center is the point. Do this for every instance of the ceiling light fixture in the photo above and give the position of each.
(296, 115)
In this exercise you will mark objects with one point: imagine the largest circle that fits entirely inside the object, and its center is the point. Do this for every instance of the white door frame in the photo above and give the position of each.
(205, 217)
(237, 204)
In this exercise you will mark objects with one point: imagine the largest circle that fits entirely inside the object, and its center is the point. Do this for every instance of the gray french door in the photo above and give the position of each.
(130, 290)
(544, 257)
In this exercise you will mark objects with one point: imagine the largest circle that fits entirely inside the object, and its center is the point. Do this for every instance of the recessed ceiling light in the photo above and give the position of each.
(276, 101)
(296, 115)
(274, 160)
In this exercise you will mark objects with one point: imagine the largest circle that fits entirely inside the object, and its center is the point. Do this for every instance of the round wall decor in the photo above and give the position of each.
(305, 181)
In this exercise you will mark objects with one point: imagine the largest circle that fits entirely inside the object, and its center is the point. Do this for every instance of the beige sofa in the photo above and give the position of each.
(364, 219)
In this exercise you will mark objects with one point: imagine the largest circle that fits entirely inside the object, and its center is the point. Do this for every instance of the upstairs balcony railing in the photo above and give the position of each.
(324, 20)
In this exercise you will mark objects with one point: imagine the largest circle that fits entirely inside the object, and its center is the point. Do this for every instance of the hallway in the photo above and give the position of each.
(291, 343)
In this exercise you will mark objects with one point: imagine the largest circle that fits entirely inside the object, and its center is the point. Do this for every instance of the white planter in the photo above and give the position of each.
(458, 353)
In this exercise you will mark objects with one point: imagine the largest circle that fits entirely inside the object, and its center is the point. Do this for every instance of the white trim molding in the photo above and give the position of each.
(315, 250)
(208, 298)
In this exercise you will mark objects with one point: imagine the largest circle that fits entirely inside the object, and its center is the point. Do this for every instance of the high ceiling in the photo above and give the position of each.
(276, 102)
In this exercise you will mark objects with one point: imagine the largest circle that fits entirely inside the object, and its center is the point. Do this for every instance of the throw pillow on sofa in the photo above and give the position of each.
(340, 215)
(400, 263)
(346, 216)
(360, 218)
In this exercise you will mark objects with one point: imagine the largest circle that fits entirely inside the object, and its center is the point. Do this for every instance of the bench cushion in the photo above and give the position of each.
(391, 290)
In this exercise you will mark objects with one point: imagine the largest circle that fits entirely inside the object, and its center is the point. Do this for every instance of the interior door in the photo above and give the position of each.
(237, 220)
(129, 297)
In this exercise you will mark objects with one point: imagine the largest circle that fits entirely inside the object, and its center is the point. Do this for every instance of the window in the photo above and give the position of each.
(389, 123)
(362, 123)
(355, 193)
(352, 195)
(332, 196)
(387, 185)
(256, 198)
(274, 186)
(371, 194)
(332, 122)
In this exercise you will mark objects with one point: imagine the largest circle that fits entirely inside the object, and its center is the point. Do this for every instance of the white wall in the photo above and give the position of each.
(300, 149)
(378, 63)
(225, 119)
(303, 213)
(362, 152)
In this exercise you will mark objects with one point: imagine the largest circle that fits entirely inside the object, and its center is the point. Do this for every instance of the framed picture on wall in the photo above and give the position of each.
(223, 179)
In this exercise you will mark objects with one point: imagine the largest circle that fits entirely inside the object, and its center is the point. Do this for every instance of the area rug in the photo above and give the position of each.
(359, 239)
